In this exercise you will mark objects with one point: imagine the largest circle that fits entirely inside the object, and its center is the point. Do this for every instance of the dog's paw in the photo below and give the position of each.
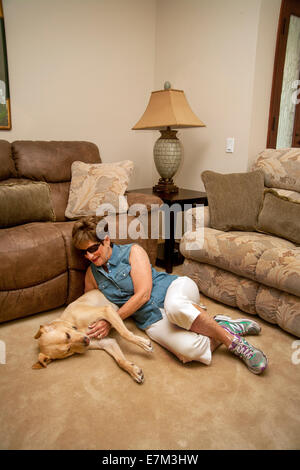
(147, 345)
(137, 374)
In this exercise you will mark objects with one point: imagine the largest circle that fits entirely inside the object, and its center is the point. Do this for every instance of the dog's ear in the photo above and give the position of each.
(43, 329)
(42, 362)
(38, 334)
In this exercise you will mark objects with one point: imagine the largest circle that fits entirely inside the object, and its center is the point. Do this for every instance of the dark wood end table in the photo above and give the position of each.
(185, 198)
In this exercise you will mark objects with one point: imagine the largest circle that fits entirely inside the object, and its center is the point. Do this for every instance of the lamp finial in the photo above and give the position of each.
(167, 85)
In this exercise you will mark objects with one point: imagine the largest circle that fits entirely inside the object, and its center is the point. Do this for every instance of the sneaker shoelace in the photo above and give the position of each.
(236, 328)
(243, 350)
(233, 327)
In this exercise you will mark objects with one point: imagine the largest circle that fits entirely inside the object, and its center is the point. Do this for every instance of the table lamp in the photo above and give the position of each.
(167, 109)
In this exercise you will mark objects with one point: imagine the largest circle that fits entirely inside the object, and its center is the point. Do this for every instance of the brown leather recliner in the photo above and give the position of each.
(39, 267)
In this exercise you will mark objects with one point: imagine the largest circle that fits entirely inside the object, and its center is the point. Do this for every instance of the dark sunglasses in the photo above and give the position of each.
(91, 249)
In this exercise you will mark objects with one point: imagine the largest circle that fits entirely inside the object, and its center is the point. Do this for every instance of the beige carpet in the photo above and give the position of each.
(87, 402)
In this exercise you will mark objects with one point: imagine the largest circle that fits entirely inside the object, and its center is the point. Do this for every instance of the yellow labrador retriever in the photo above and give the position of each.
(67, 335)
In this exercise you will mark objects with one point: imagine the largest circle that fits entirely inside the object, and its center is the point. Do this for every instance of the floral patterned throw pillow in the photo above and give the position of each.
(93, 184)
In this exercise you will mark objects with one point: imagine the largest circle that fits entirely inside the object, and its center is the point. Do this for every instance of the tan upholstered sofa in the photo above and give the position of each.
(39, 268)
(257, 271)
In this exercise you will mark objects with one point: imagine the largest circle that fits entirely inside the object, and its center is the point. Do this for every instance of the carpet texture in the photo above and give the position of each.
(87, 402)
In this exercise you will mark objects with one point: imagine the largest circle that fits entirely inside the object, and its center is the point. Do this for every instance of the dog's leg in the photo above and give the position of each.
(111, 346)
(118, 324)
(108, 313)
(114, 319)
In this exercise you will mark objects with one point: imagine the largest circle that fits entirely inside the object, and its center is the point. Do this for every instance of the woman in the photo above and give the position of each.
(165, 306)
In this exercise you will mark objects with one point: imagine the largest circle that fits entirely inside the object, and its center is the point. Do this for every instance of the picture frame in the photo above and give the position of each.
(5, 115)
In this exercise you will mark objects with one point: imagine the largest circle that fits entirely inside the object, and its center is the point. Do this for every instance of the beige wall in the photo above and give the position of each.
(221, 53)
(265, 53)
(80, 69)
(85, 69)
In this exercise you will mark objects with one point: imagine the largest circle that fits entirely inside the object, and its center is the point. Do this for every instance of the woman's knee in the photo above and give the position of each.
(171, 306)
(196, 349)
(179, 300)
(182, 314)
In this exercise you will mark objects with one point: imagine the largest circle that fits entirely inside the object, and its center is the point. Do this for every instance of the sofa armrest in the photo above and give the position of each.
(200, 217)
(145, 199)
(146, 209)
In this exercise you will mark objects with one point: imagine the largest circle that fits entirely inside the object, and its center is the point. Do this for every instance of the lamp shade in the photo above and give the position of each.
(168, 108)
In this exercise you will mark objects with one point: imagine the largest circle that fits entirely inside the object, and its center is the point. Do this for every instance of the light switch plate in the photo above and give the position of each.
(229, 144)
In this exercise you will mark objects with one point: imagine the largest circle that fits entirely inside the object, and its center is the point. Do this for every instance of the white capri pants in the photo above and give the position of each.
(179, 314)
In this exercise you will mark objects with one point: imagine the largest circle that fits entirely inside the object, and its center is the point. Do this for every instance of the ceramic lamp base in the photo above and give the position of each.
(167, 157)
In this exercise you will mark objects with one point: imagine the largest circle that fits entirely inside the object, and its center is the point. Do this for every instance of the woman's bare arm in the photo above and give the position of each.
(141, 276)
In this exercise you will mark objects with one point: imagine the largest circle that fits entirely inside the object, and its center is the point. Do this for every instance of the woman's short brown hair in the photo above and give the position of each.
(85, 230)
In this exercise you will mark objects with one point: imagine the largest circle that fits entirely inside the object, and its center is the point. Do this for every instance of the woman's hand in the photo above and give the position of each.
(99, 329)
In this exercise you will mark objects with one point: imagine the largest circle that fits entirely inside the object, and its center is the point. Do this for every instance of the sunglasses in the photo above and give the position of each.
(91, 249)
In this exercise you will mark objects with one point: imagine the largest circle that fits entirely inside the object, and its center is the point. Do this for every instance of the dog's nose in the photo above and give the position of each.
(86, 340)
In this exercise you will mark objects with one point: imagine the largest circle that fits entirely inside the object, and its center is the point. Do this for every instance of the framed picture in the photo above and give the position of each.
(5, 118)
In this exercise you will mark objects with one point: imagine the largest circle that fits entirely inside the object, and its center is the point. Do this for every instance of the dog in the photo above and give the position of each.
(67, 335)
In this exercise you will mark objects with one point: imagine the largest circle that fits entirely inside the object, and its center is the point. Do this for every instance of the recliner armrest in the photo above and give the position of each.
(200, 215)
(147, 200)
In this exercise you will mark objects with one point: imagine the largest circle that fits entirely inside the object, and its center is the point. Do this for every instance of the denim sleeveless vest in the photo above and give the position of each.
(117, 286)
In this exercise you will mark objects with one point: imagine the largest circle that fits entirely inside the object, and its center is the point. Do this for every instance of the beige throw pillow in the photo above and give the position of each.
(24, 202)
(93, 184)
(234, 199)
(280, 216)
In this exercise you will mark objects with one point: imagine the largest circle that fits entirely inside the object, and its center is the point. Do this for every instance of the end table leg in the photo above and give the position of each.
(169, 246)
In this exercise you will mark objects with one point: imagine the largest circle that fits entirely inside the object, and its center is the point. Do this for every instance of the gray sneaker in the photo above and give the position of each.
(241, 326)
(254, 358)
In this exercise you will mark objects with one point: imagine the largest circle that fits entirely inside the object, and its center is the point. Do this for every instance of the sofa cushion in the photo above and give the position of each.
(280, 268)
(96, 184)
(280, 216)
(25, 202)
(40, 160)
(7, 166)
(234, 199)
(281, 168)
(269, 260)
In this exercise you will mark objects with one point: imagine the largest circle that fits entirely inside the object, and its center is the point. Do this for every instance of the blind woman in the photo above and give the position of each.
(167, 307)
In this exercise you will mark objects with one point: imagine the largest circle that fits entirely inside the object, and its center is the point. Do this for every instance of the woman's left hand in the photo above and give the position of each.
(99, 329)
